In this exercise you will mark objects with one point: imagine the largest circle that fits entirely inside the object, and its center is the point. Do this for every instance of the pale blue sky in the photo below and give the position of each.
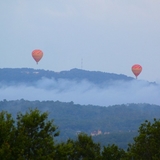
(109, 35)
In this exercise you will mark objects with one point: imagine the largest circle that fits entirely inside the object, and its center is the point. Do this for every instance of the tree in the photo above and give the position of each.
(147, 144)
(64, 151)
(7, 131)
(83, 148)
(112, 152)
(31, 138)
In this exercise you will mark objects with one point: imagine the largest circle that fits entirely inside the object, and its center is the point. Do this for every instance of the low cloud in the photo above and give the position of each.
(84, 92)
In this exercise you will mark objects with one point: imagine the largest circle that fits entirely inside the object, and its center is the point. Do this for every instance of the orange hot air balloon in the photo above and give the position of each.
(37, 55)
(136, 69)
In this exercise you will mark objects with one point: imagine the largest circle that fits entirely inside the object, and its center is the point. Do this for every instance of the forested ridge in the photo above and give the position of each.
(32, 135)
(118, 124)
(28, 75)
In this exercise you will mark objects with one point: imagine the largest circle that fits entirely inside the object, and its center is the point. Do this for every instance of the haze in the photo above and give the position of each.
(84, 92)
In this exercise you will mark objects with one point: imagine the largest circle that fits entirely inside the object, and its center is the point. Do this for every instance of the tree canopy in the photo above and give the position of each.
(31, 136)
(147, 144)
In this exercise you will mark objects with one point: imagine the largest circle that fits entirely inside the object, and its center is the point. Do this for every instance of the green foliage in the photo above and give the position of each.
(119, 120)
(147, 144)
(31, 137)
(63, 151)
(7, 130)
(112, 152)
(84, 148)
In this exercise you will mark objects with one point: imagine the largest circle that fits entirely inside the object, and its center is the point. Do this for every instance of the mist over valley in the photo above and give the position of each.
(80, 86)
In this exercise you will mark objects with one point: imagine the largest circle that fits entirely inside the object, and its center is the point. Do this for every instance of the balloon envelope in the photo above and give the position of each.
(37, 55)
(136, 69)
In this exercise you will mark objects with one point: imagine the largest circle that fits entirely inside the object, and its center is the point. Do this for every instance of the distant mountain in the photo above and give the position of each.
(28, 75)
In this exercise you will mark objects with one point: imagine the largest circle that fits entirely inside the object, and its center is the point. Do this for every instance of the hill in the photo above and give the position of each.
(116, 124)
(28, 75)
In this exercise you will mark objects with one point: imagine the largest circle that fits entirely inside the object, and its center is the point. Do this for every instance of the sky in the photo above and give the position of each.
(96, 35)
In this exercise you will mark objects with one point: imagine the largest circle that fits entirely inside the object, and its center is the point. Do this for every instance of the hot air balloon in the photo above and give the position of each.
(136, 69)
(37, 55)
